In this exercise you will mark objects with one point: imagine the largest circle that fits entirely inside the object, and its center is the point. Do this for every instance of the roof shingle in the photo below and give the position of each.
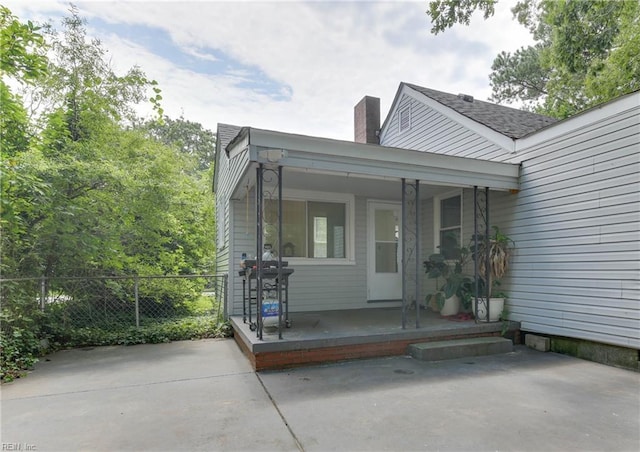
(508, 121)
(226, 133)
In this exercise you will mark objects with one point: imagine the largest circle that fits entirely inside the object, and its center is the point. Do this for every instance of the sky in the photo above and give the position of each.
(290, 66)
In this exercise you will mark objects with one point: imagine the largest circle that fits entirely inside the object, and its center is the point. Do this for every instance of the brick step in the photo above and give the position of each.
(460, 348)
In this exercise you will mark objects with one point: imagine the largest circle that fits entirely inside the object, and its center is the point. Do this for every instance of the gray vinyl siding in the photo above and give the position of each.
(229, 173)
(576, 224)
(433, 132)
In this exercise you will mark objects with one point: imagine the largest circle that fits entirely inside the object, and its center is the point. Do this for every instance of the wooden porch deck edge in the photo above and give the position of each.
(286, 354)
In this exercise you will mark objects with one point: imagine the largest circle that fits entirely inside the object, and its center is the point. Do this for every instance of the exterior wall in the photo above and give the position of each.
(229, 172)
(323, 287)
(311, 287)
(433, 132)
(576, 224)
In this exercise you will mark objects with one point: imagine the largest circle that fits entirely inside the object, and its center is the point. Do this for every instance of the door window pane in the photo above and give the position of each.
(386, 237)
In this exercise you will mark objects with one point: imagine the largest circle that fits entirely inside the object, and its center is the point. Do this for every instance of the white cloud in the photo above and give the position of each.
(324, 56)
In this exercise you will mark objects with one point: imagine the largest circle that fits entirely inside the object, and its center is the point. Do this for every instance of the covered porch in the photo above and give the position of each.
(346, 294)
(328, 336)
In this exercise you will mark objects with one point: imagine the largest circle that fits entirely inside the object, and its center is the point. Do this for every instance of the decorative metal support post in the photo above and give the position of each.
(417, 253)
(268, 188)
(487, 244)
(279, 281)
(259, 246)
(410, 250)
(476, 273)
(404, 260)
(481, 227)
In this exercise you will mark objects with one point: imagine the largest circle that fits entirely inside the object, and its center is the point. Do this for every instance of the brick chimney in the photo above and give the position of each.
(366, 119)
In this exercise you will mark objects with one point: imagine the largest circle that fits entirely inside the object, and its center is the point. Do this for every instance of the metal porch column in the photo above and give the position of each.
(481, 223)
(259, 246)
(410, 249)
(268, 174)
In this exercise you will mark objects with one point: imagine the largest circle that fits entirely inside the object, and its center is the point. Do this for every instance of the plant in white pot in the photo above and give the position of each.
(493, 256)
(451, 284)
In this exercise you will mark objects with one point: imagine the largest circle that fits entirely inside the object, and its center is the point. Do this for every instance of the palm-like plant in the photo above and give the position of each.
(494, 251)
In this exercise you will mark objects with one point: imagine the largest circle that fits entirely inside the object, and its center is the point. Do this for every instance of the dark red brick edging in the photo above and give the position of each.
(294, 358)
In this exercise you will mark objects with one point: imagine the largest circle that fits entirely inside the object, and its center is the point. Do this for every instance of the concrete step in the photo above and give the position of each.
(460, 348)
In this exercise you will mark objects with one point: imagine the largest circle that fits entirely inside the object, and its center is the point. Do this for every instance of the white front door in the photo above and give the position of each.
(384, 270)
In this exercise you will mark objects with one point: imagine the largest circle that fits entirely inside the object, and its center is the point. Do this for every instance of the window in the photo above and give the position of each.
(312, 229)
(404, 120)
(449, 225)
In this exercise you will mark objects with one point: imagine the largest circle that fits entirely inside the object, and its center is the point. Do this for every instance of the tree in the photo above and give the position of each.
(446, 13)
(90, 194)
(84, 192)
(22, 59)
(188, 136)
(586, 52)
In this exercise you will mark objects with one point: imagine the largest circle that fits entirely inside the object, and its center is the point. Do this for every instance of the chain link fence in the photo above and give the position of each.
(115, 302)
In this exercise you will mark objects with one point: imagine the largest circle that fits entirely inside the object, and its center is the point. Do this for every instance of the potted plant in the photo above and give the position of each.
(452, 286)
(494, 251)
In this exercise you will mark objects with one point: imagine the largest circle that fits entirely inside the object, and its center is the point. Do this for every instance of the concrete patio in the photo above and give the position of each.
(203, 395)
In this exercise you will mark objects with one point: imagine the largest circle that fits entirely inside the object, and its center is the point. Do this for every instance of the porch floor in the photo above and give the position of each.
(326, 336)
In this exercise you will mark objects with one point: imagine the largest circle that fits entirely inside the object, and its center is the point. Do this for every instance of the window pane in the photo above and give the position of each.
(386, 226)
(450, 243)
(293, 227)
(328, 239)
(450, 212)
(320, 236)
(386, 257)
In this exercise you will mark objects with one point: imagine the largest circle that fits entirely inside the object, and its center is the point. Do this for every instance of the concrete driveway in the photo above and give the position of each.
(203, 395)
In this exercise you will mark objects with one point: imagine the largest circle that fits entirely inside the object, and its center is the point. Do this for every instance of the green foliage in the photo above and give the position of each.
(519, 76)
(454, 281)
(84, 192)
(586, 52)
(22, 48)
(20, 330)
(188, 137)
(187, 328)
(89, 194)
(445, 13)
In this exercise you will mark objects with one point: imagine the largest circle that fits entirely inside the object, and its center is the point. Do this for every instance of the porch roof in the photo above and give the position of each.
(369, 160)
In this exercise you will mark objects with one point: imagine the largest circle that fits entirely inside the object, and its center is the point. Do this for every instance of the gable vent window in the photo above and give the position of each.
(405, 119)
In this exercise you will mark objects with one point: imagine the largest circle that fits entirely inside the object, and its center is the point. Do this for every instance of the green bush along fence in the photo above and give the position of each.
(111, 302)
(51, 312)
